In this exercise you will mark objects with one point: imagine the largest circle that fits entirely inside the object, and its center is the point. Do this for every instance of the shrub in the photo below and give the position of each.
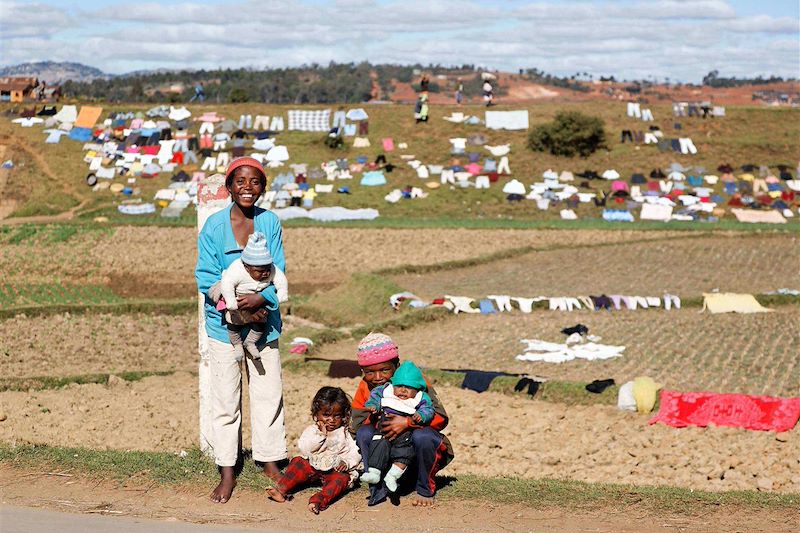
(568, 134)
(238, 95)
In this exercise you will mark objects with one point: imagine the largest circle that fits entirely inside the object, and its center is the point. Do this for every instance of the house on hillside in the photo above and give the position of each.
(50, 93)
(16, 89)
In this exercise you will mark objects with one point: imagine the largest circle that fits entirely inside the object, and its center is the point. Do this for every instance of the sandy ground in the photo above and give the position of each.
(493, 434)
(91, 497)
(685, 350)
(132, 259)
(687, 267)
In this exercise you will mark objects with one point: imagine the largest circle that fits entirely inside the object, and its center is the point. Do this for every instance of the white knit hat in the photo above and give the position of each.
(256, 253)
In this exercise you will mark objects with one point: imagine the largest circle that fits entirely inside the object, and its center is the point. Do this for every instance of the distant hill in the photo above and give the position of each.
(55, 72)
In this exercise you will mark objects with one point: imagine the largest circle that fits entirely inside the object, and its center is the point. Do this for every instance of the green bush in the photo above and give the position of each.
(570, 133)
(239, 95)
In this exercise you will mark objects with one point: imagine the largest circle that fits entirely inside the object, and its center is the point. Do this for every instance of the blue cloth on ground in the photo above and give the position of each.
(487, 307)
(80, 134)
(372, 178)
(617, 215)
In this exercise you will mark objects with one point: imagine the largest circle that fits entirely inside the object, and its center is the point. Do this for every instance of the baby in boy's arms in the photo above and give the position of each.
(250, 274)
(404, 395)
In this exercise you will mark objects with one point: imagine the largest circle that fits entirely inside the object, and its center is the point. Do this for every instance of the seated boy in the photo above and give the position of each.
(378, 358)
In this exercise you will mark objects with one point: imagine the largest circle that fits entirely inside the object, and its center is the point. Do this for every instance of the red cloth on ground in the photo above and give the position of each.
(300, 473)
(299, 348)
(766, 413)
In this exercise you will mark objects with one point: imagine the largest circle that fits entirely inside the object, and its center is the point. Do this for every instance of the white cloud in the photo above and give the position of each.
(32, 20)
(682, 39)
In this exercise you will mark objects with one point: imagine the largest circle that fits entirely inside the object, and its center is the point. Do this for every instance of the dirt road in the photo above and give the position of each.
(125, 504)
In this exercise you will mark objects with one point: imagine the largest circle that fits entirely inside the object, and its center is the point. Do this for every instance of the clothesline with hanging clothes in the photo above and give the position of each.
(503, 303)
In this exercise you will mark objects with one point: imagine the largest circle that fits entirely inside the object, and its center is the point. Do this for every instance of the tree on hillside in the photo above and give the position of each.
(570, 133)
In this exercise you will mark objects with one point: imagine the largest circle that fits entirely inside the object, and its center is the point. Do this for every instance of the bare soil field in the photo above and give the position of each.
(189, 503)
(683, 266)
(540, 439)
(74, 344)
(684, 350)
(159, 262)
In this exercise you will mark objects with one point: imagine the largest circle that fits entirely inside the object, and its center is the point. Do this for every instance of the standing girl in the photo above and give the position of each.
(220, 243)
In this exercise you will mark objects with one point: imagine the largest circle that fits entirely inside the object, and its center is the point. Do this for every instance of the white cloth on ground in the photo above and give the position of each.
(550, 352)
(462, 304)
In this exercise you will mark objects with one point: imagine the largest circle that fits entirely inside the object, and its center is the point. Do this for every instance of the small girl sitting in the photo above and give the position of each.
(250, 274)
(329, 454)
(404, 395)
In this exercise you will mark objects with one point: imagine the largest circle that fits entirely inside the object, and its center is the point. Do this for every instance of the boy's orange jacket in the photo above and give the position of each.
(360, 415)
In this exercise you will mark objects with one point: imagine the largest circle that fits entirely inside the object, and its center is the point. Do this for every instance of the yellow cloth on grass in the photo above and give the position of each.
(728, 302)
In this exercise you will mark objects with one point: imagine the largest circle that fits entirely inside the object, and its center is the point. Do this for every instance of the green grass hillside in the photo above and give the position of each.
(756, 135)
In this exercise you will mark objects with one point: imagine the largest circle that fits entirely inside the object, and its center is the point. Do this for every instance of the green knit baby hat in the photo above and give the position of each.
(408, 375)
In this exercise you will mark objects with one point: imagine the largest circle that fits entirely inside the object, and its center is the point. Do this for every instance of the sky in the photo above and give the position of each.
(631, 39)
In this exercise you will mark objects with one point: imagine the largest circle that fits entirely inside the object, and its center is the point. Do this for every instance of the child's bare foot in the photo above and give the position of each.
(272, 471)
(275, 495)
(227, 482)
(424, 501)
(313, 507)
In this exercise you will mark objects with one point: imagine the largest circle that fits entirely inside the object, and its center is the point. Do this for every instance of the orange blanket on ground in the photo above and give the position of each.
(766, 413)
(88, 116)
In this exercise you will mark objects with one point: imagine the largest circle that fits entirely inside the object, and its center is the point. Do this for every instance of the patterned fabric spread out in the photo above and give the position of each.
(766, 413)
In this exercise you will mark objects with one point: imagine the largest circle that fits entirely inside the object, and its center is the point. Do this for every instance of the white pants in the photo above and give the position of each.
(687, 146)
(448, 176)
(502, 302)
(220, 145)
(647, 115)
(209, 163)
(650, 138)
(223, 159)
(206, 127)
(261, 122)
(276, 124)
(266, 404)
(245, 121)
(502, 167)
(633, 110)
(670, 300)
(525, 304)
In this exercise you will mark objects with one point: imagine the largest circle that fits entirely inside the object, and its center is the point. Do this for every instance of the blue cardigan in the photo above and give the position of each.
(217, 249)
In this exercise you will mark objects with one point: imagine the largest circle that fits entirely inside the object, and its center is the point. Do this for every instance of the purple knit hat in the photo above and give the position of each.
(376, 348)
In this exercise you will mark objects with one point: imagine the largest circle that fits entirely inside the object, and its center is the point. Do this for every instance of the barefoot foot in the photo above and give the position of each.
(275, 495)
(424, 501)
(272, 471)
(313, 507)
(227, 482)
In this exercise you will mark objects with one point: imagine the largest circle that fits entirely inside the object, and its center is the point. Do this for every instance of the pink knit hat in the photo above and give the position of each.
(376, 348)
(241, 162)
